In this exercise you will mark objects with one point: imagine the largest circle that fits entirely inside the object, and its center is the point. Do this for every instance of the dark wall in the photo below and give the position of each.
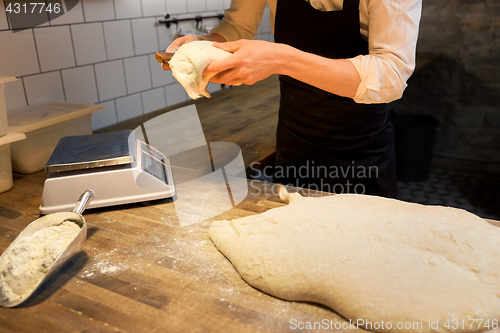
(461, 87)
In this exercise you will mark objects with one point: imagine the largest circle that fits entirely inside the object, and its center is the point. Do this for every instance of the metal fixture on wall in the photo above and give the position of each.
(198, 18)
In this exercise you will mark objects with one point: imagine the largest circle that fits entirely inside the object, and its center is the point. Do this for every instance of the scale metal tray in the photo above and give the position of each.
(92, 151)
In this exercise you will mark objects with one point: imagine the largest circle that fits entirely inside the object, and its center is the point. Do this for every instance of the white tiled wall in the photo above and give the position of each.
(106, 116)
(145, 35)
(153, 7)
(80, 85)
(118, 37)
(137, 74)
(128, 9)
(110, 77)
(101, 10)
(215, 5)
(41, 87)
(54, 47)
(75, 15)
(20, 58)
(196, 5)
(153, 99)
(176, 7)
(129, 107)
(102, 51)
(165, 36)
(175, 94)
(88, 40)
(17, 97)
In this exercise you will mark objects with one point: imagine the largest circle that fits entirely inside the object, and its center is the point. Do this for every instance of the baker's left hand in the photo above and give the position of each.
(252, 61)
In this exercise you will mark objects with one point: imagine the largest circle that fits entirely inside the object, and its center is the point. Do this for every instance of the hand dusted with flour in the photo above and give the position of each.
(189, 62)
(371, 258)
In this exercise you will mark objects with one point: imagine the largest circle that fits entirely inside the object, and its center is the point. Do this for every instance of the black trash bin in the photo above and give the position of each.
(415, 137)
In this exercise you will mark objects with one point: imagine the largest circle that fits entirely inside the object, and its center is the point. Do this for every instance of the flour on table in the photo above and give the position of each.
(26, 264)
(189, 62)
(372, 259)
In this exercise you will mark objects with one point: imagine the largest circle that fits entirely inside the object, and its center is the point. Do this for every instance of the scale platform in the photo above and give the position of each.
(119, 168)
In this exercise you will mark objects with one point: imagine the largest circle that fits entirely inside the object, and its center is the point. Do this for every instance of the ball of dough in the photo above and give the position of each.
(189, 62)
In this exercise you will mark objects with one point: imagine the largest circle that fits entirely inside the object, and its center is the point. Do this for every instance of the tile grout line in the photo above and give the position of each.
(142, 103)
(96, 84)
(62, 84)
(36, 49)
(49, 19)
(150, 73)
(73, 44)
(83, 65)
(158, 36)
(132, 33)
(83, 12)
(125, 76)
(105, 44)
(116, 111)
(24, 88)
(114, 12)
(138, 92)
(164, 96)
(8, 21)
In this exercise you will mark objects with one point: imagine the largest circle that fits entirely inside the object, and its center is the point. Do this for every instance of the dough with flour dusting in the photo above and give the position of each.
(371, 258)
(189, 62)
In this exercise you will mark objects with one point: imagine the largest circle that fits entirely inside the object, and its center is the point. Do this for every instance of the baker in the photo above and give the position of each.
(340, 63)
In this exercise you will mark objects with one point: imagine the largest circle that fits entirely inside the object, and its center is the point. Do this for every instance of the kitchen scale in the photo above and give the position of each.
(119, 168)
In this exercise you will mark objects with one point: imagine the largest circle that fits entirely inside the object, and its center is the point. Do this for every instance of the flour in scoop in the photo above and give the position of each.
(27, 263)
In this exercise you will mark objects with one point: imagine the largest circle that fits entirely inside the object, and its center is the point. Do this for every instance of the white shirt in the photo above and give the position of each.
(390, 26)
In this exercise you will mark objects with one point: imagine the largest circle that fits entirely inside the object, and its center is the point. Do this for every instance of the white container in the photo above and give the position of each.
(3, 107)
(44, 125)
(5, 165)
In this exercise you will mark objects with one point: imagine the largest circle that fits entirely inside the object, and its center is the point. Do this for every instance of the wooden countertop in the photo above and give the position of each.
(140, 271)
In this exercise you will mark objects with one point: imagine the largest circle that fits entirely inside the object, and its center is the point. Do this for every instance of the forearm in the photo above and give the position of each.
(338, 76)
(255, 60)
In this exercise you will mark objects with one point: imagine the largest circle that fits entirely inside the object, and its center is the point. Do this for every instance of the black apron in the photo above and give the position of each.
(325, 141)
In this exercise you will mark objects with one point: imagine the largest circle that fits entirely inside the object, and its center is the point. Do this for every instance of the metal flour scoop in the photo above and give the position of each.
(74, 247)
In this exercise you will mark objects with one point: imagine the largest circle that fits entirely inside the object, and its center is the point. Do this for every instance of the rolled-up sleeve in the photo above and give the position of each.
(392, 37)
(241, 20)
(391, 27)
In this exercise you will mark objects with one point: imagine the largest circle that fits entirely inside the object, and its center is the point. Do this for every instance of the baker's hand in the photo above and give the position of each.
(252, 61)
(191, 38)
(177, 43)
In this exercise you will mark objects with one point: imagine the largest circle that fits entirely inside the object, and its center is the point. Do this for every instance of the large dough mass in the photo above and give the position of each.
(189, 62)
(371, 258)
